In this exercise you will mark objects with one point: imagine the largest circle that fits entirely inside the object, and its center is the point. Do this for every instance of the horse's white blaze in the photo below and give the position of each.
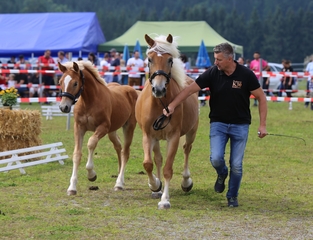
(67, 80)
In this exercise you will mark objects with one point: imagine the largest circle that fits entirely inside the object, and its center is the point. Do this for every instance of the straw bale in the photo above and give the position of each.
(19, 129)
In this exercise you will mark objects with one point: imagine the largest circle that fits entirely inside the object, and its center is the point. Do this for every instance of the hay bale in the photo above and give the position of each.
(19, 129)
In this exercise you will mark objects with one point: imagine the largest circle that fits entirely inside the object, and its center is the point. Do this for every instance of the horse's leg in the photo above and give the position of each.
(91, 145)
(158, 159)
(187, 183)
(77, 154)
(148, 144)
(114, 138)
(172, 146)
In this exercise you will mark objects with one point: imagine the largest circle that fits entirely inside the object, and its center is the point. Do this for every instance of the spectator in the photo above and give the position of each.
(79, 59)
(247, 64)
(11, 80)
(134, 79)
(241, 61)
(287, 81)
(34, 91)
(311, 91)
(105, 65)
(45, 63)
(255, 66)
(185, 61)
(309, 69)
(93, 59)
(61, 59)
(115, 62)
(266, 83)
(11, 61)
(22, 78)
(3, 78)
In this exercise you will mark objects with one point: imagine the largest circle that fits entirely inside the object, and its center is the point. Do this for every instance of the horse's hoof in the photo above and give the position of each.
(93, 178)
(118, 188)
(156, 195)
(71, 192)
(165, 206)
(159, 188)
(187, 189)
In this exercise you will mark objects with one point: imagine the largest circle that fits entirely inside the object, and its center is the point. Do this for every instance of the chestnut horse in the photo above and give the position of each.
(167, 79)
(102, 108)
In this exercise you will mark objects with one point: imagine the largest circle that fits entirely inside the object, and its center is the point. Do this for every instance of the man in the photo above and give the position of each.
(46, 62)
(255, 66)
(114, 62)
(134, 79)
(230, 85)
(61, 59)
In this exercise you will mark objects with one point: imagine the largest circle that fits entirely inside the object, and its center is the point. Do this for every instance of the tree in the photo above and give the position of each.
(254, 34)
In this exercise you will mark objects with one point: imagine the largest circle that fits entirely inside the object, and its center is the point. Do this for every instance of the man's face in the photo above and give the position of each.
(221, 61)
(47, 54)
(136, 55)
(256, 56)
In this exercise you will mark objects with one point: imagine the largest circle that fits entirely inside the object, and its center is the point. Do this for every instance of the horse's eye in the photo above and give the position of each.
(75, 84)
(149, 60)
(170, 61)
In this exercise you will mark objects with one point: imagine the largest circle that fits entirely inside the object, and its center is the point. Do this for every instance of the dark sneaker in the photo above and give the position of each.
(232, 202)
(220, 183)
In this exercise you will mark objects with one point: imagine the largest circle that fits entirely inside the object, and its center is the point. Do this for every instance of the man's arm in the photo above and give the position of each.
(260, 96)
(189, 90)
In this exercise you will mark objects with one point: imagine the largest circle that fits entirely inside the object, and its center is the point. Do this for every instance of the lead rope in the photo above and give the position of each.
(157, 125)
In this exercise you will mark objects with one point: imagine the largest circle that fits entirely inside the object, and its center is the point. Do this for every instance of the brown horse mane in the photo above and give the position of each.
(161, 47)
(89, 67)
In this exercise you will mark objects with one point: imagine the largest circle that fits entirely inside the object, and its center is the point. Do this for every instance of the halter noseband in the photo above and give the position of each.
(160, 72)
(71, 96)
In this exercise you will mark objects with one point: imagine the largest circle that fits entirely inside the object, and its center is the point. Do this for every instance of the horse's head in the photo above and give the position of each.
(71, 83)
(160, 63)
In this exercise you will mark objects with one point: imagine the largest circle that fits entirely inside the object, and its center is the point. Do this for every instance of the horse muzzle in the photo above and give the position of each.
(65, 105)
(159, 92)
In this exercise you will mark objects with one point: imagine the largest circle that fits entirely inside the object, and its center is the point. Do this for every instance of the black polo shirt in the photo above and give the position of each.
(230, 95)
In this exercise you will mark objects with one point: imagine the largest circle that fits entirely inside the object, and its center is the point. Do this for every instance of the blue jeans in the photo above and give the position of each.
(219, 135)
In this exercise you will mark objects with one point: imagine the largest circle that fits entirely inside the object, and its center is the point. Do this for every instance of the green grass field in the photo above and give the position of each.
(276, 195)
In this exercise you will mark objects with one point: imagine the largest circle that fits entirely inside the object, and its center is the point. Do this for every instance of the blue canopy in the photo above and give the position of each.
(138, 48)
(203, 59)
(37, 32)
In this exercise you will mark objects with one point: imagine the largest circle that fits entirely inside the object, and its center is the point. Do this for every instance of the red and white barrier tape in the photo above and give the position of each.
(58, 99)
(127, 71)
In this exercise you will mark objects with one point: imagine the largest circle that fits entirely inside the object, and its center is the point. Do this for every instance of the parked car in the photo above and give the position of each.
(275, 81)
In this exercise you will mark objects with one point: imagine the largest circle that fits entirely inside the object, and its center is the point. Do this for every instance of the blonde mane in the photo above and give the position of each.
(162, 46)
(89, 67)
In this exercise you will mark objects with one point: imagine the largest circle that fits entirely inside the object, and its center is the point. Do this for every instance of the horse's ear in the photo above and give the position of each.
(149, 40)
(61, 67)
(169, 38)
(75, 67)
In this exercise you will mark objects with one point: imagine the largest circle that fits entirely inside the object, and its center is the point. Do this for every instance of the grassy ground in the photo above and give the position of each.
(275, 196)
